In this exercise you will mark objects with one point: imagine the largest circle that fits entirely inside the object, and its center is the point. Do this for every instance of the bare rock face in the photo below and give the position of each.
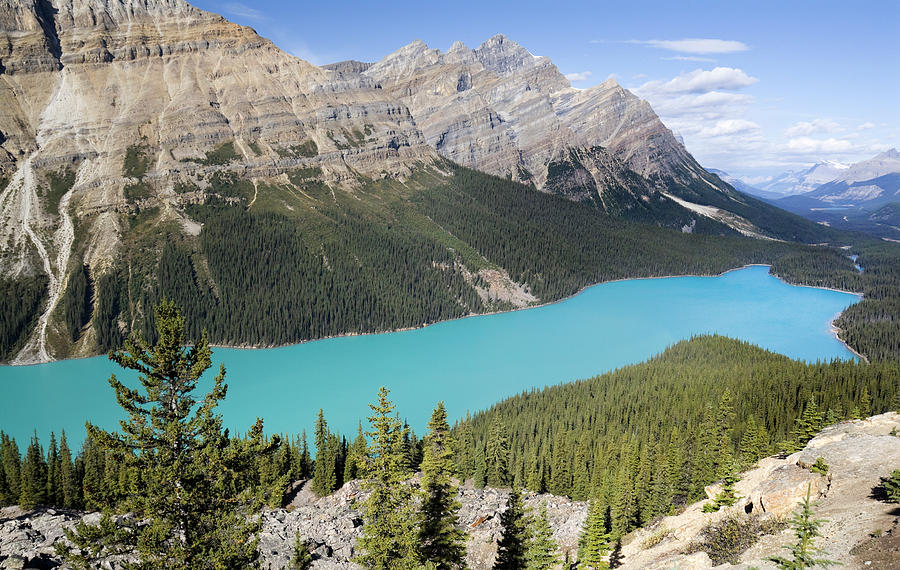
(500, 109)
(329, 526)
(82, 81)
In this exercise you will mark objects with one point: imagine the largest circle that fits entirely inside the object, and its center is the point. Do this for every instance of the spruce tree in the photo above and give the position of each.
(497, 455)
(33, 488)
(301, 558)
(69, 481)
(192, 511)
(5, 495)
(514, 535)
(593, 544)
(389, 539)
(806, 528)
(541, 552)
(324, 472)
(10, 460)
(54, 477)
(305, 459)
(441, 542)
(480, 476)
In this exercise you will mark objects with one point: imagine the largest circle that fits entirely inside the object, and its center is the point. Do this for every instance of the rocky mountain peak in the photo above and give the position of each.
(890, 153)
(503, 56)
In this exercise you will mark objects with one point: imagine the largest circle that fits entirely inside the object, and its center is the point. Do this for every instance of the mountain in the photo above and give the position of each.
(150, 149)
(850, 199)
(866, 184)
(500, 109)
(744, 187)
(802, 181)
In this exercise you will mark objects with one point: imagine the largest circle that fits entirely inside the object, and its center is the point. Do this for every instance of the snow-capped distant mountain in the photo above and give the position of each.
(865, 185)
(802, 181)
(743, 186)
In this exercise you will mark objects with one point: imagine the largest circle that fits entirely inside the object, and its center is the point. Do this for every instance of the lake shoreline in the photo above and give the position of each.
(832, 328)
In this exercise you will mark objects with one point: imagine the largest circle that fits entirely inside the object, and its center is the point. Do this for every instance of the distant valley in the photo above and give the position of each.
(864, 196)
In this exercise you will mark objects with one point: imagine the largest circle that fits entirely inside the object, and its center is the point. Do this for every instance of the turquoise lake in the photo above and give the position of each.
(469, 363)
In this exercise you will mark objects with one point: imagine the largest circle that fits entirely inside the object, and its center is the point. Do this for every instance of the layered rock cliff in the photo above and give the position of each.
(500, 109)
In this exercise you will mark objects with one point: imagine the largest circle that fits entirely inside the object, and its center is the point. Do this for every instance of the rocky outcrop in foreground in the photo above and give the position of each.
(858, 453)
(330, 525)
(861, 532)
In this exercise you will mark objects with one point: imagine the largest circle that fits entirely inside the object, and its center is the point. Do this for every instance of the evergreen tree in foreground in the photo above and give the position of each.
(33, 489)
(441, 542)
(514, 540)
(541, 553)
(188, 497)
(806, 529)
(389, 539)
(594, 541)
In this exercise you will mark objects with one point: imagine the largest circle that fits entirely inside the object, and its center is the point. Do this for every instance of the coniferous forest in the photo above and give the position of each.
(393, 256)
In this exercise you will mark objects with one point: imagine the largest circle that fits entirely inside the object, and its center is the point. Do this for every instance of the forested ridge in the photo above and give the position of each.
(647, 438)
(390, 256)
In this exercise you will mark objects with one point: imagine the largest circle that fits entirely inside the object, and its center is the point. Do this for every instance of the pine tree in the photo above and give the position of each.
(69, 481)
(441, 542)
(465, 456)
(54, 477)
(301, 559)
(806, 529)
(355, 465)
(749, 448)
(541, 552)
(497, 455)
(33, 489)
(623, 504)
(389, 532)
(514, 535)
(305, 459)
(5, 495)
(806, 426)
(10, 461)
(480, 471)
(593, 544)
(865, 402)
(189, 500)
(324, 471)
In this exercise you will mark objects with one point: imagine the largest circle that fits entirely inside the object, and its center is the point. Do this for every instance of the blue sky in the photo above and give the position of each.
(762, 87)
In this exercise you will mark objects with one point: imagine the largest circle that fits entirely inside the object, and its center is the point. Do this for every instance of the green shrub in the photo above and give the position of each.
(819, 466)
(890, 487)
(725, 540)
(223, 154)
(136, 163)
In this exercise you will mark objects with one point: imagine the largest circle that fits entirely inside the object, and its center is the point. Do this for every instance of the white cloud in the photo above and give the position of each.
(578, 76)
(701, 81)
(706, 106)
(812, 127)
(807, 145)
(696, 45)
(728, 127)
(866, 126)
(243, 11)
(688, 58)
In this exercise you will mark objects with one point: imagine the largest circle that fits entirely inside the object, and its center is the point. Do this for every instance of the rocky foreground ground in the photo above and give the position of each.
(861, 532)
